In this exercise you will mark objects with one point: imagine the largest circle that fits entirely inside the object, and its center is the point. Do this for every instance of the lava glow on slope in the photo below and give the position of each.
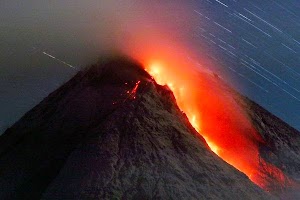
(215, 114)
(185, 101)
(212, 109)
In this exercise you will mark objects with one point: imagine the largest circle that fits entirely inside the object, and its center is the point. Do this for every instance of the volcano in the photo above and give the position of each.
(112, 132)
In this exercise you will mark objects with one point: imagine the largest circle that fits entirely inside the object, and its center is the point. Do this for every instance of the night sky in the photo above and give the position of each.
(254, 45)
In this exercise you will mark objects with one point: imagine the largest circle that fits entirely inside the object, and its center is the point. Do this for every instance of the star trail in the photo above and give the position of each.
(258, 44)
(254, 45)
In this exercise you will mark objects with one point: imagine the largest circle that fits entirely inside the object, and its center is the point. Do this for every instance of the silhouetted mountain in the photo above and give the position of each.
(111, 132)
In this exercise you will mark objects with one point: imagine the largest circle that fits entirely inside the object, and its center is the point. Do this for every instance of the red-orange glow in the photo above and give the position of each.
(215, 114)
(209, 105)
(132, 93)
(182, 91)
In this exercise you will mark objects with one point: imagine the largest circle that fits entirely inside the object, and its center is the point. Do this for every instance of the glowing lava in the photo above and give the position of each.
(132, 93)
(210, 106)
(213, 111)
(184, 94)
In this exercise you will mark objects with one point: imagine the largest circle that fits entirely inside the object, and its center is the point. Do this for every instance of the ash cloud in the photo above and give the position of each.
(82, 30)
(77, 32)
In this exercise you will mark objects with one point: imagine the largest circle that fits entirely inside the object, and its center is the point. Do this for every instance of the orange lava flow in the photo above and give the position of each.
(210, 106)
(215, 114)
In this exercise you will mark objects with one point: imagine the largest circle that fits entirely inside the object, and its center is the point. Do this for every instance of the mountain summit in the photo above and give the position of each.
(112, 132)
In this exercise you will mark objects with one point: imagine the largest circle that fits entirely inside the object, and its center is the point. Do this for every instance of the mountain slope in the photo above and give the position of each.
(281, 149)
(283, 141)
(112, 132)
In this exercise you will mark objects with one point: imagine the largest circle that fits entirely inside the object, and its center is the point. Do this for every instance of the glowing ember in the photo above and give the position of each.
(132, 93)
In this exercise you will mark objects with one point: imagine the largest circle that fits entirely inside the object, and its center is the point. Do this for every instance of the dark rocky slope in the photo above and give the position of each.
(98, 137)
(282, 141)
(281, 148)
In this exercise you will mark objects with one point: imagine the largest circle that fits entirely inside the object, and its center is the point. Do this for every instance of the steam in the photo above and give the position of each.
(135, 27)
